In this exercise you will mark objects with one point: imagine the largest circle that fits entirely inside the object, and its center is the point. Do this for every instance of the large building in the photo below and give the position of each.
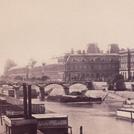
(127, 64)
(91, 66)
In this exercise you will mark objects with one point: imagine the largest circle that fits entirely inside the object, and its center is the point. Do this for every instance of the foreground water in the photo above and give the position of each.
(95, 119)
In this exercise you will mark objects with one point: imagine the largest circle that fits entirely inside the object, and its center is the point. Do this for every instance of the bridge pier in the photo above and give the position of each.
(16, 90)
(66, 89)
(42, 93)
(90, 85)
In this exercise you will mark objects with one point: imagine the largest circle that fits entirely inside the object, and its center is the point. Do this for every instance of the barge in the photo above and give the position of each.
(125, 113)
(74, 98)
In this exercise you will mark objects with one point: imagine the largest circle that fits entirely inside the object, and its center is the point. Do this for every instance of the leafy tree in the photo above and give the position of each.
(44, 78)
(119, 83)
(18, 78)
(30, 68)
(8, 65)
(32, 63)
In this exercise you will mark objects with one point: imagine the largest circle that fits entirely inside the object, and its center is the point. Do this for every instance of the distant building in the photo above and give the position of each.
(95, 66)
(17, 72)
(53, 71)
(81, 65)
(127, 64)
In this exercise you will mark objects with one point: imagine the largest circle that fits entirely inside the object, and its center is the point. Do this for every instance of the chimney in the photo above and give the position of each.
(25, 100)
(29, 102)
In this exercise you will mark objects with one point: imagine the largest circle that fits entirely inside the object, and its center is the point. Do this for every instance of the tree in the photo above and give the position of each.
(44, 78)
(30, 67)
(32, 63)
(18, 77)
(72, 51)
(119, 83)
(8, 65)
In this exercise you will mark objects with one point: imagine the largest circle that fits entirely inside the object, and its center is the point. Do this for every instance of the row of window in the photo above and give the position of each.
(91, 67)
(93, 60)
(87, 76)
(125, 65)
(125, 74)
(125, 58)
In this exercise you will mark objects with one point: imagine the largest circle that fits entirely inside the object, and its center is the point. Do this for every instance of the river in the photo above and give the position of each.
(95, 119)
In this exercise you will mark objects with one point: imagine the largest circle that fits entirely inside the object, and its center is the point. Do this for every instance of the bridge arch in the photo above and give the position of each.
(89, 84)
(64, 86)
(77, 88)
(74, 83)
(43, 87)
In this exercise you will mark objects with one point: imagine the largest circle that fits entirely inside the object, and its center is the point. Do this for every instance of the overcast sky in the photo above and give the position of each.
(42, 29)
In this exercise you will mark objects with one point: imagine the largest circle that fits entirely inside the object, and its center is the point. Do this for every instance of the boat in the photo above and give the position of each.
(127, 110)
(75, 98)
(125, 113)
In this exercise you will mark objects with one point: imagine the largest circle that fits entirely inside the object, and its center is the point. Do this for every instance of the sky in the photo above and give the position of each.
(44, 29)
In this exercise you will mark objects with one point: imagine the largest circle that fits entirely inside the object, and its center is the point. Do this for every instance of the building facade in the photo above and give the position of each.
(91, 66)
(127, 64)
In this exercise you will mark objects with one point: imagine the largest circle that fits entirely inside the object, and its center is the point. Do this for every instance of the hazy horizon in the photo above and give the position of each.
(45, 29)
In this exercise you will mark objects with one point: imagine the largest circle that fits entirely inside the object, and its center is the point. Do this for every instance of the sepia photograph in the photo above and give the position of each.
(66, 66)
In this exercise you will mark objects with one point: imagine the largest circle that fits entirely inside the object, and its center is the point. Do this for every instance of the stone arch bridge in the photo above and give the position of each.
(66, 86)
(43, 85)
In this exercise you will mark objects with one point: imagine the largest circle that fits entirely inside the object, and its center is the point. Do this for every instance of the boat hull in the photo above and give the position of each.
(68, 98)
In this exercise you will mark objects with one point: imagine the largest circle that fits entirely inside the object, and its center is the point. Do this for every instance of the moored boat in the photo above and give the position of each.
(125, 113)
(74, 98)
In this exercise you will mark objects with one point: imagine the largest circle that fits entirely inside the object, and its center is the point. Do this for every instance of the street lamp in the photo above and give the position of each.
(27, 72)
(43, 68)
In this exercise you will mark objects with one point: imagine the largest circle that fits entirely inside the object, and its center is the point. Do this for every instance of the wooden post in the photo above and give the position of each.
(42, 93)
(129, 64)
(66, 89)
(1, 120)
(29, 102)
(25, 100)
(81, 130)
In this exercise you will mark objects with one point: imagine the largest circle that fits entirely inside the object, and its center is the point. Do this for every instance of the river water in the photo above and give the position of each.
(95, 119)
